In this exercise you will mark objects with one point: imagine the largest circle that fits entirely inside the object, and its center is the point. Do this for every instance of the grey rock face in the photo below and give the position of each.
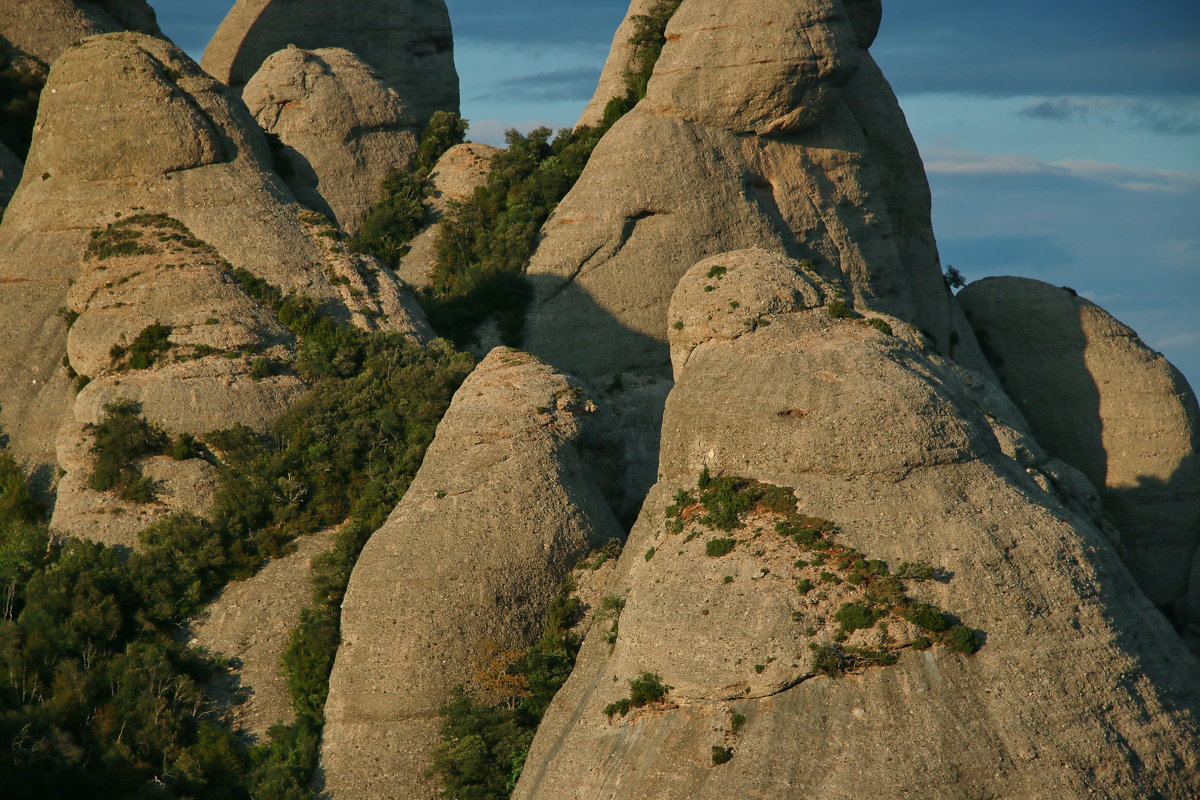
(343, 127)
(1080, 689)
(130, 127)
(620, 60)
(1104, 402)
(45, 28)
(499, 512)
(408, 41)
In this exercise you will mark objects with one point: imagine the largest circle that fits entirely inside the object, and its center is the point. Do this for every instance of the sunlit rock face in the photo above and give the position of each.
(765, 125)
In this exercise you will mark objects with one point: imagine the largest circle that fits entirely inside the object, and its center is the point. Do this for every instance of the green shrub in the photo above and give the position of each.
(151, 342)
(184, 447)
(962, 639)
(837, 309)
(736, 721)
(647, 688)
(120, 439)
(854, 616)
(927, 617)
(721, 755)
(804, 586)
(650, 553)
(715, 548)
(915, 571)
(880, 325)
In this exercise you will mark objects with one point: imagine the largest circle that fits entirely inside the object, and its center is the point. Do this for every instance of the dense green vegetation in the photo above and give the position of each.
(98, 697)
(19, 93)
(486, 240)
(400, 212)
(487, 728)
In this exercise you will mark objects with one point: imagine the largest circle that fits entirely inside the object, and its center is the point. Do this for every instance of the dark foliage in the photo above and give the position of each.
(19, 93)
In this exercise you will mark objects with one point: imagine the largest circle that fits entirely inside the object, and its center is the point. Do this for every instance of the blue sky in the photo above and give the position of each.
(1062, 141)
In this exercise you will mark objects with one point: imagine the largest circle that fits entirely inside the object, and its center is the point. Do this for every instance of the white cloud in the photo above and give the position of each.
(948, 161)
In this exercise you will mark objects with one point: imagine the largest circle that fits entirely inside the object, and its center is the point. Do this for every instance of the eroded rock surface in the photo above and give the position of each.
(343, 128)
(1080, 688)
(146, 188)
(408, 41)
(498, 514)
(457, 174)
(1098, 398)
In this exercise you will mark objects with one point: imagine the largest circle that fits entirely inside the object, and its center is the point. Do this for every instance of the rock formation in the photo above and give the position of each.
(1080, 687)
(408, 41)
(457, 174)
(10, 176)
(499, 512)
(764, 125)
(343, 128)
(789, 139)
(620, 61)
(249, 624)
(1101, 400)
(44, 29)
(146, 187)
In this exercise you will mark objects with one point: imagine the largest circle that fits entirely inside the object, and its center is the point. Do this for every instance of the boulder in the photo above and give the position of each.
(1080, 687)
(343, 128)
(408, 41)
(132, 136)
(500, 511)
(44, 29)
(1101, 400)
(457, 174)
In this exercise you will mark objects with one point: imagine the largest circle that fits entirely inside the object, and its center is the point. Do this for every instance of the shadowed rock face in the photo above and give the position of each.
(129, 127)
(45, 28)
(499, 513)
(408, 41)
(1101, 400)
(1080, 688)
(343, 127)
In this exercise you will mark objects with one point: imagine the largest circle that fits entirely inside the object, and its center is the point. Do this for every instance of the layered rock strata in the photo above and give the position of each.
(1080, 687)
(408, 41)
(1098, 398)
(146, 188)
(499, 513)
(343, 129)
